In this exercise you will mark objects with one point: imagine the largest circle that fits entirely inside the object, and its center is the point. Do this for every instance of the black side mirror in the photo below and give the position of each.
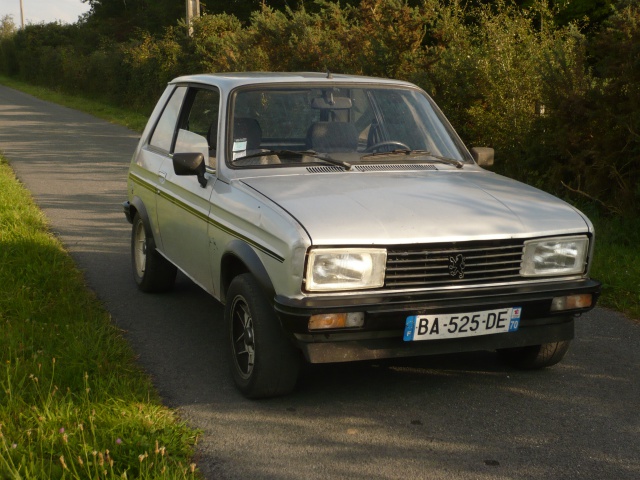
(483, 156)
(190, 164)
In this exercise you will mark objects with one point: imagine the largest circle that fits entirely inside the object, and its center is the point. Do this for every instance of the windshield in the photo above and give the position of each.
(344, 126)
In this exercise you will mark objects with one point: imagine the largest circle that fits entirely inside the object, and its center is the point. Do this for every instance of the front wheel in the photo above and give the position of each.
(263, 361)
(534, 356)
(151, 271)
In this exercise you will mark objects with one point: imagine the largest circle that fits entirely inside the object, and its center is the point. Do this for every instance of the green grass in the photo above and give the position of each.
(73, 402)
(617, 262)
(130, 119)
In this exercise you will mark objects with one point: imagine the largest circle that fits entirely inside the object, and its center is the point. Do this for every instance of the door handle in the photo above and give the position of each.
(162, 176)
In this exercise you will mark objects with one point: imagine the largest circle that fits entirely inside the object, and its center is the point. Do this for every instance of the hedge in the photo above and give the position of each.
(562, 109)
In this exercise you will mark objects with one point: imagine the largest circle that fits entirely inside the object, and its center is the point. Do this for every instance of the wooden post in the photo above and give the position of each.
(21, 15)
(193, 10)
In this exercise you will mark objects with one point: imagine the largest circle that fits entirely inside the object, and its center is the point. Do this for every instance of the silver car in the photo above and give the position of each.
(341, 218)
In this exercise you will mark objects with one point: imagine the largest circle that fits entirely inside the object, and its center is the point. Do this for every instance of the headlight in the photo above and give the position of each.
(554, 256)
(345, 268)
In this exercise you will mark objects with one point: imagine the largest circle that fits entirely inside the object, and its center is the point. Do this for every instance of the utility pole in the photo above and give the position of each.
(193, 10)
(21, 15)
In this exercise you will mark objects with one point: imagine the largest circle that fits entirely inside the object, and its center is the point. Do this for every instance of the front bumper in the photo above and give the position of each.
(385, 315)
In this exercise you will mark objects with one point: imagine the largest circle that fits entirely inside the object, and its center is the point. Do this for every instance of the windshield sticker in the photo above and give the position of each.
(239, 148)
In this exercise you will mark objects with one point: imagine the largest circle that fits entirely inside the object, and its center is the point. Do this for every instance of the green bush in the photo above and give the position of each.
(559, 106)
(594, 122)
(149, 64)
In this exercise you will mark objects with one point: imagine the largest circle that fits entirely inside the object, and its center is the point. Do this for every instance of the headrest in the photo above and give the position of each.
(248, 128)
(333, 137)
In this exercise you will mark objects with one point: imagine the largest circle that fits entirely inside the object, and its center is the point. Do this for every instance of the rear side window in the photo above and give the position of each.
(165, 130)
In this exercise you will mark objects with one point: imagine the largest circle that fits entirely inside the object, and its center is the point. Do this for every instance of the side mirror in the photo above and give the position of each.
(483, 156)
(190, 164)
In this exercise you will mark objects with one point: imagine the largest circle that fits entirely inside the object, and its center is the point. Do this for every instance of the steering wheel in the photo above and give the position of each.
(376, 147)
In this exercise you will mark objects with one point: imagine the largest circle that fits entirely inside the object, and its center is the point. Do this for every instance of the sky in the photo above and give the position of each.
(38, 11)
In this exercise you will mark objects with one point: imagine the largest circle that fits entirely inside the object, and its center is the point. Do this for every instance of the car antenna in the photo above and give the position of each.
(329, 74)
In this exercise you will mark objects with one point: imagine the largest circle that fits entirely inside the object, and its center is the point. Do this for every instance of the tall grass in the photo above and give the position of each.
(73, 402)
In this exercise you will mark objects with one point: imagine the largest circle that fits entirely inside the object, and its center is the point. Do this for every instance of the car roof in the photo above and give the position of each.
(237, 79)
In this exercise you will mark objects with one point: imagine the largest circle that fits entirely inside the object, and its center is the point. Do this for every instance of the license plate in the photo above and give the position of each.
(456, 325)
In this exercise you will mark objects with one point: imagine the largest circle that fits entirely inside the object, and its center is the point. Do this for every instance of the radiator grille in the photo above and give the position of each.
(461, 264)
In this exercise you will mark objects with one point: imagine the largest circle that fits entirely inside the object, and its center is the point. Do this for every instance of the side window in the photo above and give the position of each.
(200, 117)
(166, 127)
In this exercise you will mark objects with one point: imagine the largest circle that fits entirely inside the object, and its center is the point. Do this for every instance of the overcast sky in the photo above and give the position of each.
(37, 11)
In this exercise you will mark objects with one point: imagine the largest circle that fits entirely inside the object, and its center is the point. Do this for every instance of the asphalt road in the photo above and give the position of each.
(450, 417)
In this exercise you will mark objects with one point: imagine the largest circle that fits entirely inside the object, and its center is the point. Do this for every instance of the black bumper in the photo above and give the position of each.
(385, 315)
(126, 206)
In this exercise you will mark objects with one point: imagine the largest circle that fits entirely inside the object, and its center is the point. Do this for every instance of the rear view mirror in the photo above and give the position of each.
(483, 156)
(330, 102)
(190, 164)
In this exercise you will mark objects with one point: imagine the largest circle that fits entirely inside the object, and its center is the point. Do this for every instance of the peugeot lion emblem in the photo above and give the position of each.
(456, 266)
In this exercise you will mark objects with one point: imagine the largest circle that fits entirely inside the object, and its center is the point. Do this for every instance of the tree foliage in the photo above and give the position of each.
(7, 27)
(120, 18)
(560, 106)
(594, 121)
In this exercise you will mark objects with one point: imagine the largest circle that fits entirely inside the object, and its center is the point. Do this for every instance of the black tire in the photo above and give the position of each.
(264, 363)
(534, 356)
(152, 272)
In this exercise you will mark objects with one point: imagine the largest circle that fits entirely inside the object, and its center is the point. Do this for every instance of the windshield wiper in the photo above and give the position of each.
(427, 153)
(298, 153)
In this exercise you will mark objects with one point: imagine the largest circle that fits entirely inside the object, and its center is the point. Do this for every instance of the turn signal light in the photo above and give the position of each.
(336, 320)
(571, 302)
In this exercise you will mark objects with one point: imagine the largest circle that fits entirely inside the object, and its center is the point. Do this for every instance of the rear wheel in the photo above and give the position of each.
(151, 271)
(264, 363)
(534, 356)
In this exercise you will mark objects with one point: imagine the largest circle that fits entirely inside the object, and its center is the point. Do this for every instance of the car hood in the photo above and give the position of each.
(396, 208)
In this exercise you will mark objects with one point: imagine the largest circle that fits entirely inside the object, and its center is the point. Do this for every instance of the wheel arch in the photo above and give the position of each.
(136, 205)
(240, 258)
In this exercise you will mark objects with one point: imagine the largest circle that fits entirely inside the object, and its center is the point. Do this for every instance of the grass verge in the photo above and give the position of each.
(617, 262)
(73, 403)
(127, 118)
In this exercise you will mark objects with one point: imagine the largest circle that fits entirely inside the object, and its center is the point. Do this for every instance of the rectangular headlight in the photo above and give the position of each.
(345, 269)
(555, 256)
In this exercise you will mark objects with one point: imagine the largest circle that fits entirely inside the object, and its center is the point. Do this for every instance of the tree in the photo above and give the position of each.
(7, 27)
(120, 18)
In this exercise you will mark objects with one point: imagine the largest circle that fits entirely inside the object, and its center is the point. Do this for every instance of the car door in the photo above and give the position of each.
(154, 153)
(183, 203)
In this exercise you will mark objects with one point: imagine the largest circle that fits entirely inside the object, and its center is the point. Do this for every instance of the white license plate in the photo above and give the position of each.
(456, 325)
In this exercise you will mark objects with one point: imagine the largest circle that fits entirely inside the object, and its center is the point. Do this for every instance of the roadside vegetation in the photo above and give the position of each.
(73, 402)
(555, 92)
(111, 113)
(617, 262)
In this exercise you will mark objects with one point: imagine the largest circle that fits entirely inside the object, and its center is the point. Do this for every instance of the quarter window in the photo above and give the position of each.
(165, 130)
